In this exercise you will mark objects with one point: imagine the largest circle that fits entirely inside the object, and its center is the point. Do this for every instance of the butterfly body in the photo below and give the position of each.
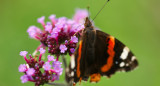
(98, 54)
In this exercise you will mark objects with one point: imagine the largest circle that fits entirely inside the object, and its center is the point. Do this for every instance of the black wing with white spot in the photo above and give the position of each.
(124, 59)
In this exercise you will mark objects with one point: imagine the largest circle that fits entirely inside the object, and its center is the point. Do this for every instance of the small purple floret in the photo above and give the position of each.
(72, 50)
(42, 51)
(47, 66)
(59, 25)
(57, 64)
(48, 28)
(30, 71)
(24, 78)
(66, 41)
(59, 71)
(52, 17)
(62, 20)
(76, 28)
(22, 68)
(33, 31)
(74, 39)
(80, 27)
(51, 58)
(57, 67)
(56, 30)
(41, 19)
(63, 48)
(23, 53)
(54, 35)
(80, 15)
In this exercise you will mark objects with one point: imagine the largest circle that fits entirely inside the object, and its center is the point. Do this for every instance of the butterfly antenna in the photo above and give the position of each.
(100, 9)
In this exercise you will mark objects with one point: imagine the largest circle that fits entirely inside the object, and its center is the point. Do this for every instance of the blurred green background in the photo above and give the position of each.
(135, 22)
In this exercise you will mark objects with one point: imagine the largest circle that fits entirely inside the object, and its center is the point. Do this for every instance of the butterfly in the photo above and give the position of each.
(98, 54)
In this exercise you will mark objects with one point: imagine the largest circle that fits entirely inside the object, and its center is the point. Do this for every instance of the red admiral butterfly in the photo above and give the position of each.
(98, 54)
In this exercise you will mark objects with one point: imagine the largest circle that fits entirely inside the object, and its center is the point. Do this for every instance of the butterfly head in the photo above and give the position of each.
(88, 23)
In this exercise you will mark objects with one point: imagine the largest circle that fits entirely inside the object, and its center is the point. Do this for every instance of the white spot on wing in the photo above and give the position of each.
(127, 64)
(133, 58)
(124, 53)
(72, 73)
(121, 64)
(72, 62)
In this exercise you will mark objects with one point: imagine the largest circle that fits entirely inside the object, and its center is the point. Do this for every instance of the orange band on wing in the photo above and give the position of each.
(78, 59)
(111, 54)
(95, 77)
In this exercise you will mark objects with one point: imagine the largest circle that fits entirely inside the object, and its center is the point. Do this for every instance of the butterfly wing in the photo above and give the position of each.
(99, 54)
(118, 57)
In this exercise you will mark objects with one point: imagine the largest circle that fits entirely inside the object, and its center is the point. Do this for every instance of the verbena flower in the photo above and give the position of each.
(72, 50)
(32, 69)
(80, 15)
(47, 66)
(23, 53)
(57, 31)
(74, 39)
(42, 51)
(24, 78)
(63, 48)
(22, 68)
(60, 35)
(51, 58)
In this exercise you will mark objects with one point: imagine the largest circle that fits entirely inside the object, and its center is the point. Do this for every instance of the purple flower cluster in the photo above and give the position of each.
(59, 34)
(32, 69)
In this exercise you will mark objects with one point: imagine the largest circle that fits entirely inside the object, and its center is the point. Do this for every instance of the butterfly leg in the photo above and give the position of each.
(64, 62)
